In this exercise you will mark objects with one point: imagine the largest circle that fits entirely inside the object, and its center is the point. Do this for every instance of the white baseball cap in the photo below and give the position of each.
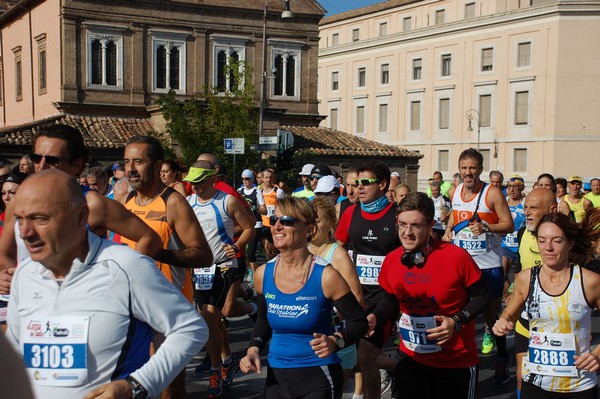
(326, 184)
(306, 169)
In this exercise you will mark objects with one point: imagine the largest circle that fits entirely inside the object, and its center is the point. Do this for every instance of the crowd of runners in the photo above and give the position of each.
(112, 280)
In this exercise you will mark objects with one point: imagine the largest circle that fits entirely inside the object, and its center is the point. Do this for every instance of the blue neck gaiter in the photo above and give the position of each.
(375, 206)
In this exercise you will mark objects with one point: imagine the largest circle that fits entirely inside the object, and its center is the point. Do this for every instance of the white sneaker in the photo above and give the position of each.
(386, 381)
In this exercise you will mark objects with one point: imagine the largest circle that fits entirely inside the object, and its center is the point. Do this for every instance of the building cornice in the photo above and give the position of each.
(558, 9)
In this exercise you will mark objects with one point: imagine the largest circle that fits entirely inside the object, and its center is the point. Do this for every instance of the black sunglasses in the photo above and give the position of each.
(50, 159)
(313, 177)
(284, 220)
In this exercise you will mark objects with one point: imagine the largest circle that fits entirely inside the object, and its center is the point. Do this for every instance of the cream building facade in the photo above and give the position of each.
(524, 73)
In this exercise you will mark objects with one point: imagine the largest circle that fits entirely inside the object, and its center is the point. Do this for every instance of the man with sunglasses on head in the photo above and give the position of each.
(62, 147)
(167, 212)
(370, 227)
(439, 290)
(218, 213)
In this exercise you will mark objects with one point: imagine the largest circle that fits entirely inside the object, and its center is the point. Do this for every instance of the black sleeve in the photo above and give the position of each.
(518, 266)
(386, 308)
(261, 334)
(356, 321)
(480, 296)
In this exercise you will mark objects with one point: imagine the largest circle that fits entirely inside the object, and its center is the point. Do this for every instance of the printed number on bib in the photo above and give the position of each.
(55, 350)
(552, 354)
(204, 277)
(474, 245)
(413, 331)
(368, 268)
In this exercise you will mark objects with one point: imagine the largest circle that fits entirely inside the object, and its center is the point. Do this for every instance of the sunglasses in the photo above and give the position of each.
(50, 159)
(284, 220)
(246, 178)
(313, 177)
(366, 182)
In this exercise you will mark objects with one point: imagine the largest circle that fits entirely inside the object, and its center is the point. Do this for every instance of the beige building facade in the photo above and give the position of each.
(524, 74)
(109, 58)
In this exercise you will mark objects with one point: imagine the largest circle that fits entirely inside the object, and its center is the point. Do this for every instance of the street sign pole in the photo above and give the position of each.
(233, 146)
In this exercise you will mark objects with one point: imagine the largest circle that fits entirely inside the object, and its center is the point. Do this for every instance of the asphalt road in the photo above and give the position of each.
(251, 386)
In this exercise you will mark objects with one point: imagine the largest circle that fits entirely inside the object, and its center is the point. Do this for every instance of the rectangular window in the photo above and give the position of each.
(486, 158)
(19, 80)
(524, 54)
(333, 118)
(335, 81)
(444, 160)
(469, 10)
(383, 29)
(355, 35)
(415, 115)
(42, 73)
(18, 74)
(362, 77)
(487, 59)
(407, 24)
(383, 118)
(385, 74)
(104, 56)
(417, 69)
(522, 108)
(335, 39)
(440, 17)
(446, 65)
(520, 160)
(288, 72)
(444, 113)
(485, 110)
(360, 119)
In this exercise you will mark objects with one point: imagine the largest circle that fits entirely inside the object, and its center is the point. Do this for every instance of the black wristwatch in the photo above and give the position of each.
(457, 323)
(339, 342)
(137, 390)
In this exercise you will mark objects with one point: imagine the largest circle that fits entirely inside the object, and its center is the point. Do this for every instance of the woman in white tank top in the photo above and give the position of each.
(558, 297)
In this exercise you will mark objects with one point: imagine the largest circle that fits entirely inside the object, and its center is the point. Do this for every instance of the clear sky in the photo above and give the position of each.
(338, 6)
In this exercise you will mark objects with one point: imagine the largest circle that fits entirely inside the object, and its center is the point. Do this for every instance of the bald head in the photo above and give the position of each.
(210, 158)
(52, 186)
(538, 203)
(52, 214)
(203, 164)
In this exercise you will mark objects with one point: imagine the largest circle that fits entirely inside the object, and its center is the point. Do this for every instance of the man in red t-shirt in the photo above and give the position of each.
(439, 290)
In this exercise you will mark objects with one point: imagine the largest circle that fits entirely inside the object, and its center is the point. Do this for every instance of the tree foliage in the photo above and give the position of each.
(201, 124)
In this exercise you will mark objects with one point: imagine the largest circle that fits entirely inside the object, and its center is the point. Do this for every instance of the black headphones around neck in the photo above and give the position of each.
(411, 259)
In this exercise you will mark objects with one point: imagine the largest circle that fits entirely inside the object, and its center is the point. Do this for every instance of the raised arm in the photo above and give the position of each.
(107, 214)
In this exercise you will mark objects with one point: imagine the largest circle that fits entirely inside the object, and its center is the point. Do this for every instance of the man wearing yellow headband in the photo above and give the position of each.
(218, 214)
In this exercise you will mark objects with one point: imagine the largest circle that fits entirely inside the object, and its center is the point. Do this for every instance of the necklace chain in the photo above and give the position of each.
(301, 277)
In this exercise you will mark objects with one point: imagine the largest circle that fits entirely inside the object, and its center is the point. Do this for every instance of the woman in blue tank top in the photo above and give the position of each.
(297, 292)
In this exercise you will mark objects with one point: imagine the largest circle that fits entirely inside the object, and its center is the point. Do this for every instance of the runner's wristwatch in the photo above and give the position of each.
(457, 323)
(340, 342)
(137, 390)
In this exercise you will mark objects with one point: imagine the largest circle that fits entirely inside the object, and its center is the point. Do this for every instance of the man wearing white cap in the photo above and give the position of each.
(330, 186)
(306, 190)
(256, 201)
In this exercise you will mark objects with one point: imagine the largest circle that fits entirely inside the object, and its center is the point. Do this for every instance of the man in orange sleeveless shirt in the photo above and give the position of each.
(166, 212)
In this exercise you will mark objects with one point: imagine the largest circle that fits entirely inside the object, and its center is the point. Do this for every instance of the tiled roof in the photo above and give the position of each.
(384, 5)
(99, 132)
(324, 141)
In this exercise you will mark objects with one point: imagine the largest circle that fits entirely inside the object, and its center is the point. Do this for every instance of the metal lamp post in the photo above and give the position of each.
(472, 114)
(286, 14)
